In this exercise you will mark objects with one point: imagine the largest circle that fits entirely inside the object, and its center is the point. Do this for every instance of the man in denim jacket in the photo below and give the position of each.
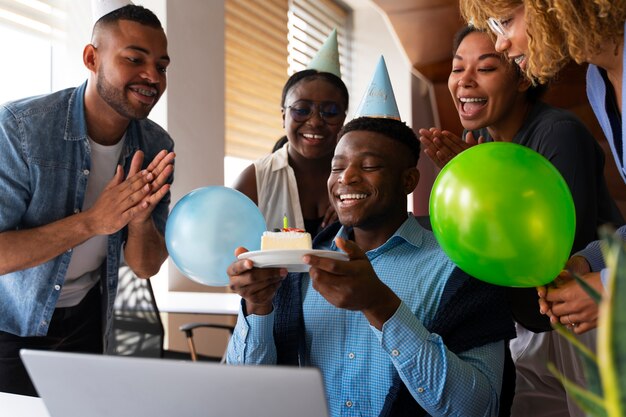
(84, 174)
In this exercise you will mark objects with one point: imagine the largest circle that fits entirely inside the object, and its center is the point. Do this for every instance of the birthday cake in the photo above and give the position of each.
(287, 238)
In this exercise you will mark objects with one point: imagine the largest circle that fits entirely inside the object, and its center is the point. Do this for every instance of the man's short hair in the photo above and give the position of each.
(131, 12)
(391, 128)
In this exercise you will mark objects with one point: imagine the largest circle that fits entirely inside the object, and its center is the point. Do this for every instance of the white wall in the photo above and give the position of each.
(195, 108)
(372, 37)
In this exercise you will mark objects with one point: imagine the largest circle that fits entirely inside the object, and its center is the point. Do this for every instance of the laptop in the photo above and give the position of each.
(86, 385)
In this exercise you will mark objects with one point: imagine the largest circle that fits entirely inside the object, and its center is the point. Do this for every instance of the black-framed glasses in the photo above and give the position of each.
(329, 112)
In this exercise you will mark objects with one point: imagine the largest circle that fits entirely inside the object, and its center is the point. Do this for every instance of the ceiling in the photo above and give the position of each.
(425, 28)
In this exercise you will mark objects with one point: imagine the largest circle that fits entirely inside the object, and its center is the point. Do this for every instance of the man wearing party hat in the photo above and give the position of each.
(291, 182)
(398, 329)
(84, 175)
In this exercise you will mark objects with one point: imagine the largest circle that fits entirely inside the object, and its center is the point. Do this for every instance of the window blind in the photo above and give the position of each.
(310, 23)
(43, 18)
(266, 42)
(256, 70)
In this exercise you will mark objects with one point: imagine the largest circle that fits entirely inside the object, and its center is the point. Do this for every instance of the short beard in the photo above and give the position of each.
(116, 99)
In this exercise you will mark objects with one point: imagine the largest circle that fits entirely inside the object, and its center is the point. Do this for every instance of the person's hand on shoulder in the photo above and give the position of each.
(257, 286)
(353, 284)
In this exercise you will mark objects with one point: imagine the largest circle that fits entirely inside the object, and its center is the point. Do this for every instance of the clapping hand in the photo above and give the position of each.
(441, 145)
(157, 173)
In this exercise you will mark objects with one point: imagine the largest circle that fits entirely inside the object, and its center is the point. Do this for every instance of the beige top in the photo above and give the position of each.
(277, 190)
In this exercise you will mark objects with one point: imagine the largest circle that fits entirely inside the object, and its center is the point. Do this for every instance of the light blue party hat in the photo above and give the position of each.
(379, 100)
(327, 58)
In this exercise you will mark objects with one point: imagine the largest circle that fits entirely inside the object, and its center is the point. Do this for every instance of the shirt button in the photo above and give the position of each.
(351, 355)
(395, 352)
(57, 287)
(69, 250)
(86, 172)
(76, 211)
(420, 390)
(349, 404)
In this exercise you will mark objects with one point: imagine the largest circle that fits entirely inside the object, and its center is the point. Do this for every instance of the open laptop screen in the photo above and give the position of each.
(79, 385)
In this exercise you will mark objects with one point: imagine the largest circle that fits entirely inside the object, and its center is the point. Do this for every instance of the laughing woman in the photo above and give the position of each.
(292, 181)
(496, 102)
(541, 36)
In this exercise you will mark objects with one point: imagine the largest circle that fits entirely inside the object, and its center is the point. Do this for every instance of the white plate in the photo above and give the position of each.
(288, 258)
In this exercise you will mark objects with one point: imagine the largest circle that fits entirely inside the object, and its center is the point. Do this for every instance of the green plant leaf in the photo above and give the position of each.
(588, 358)
(612, 327)
(590, 403)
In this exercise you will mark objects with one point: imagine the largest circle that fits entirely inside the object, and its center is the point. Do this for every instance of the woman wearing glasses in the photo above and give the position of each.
(292, 181)
(496, 102)
(541, 36)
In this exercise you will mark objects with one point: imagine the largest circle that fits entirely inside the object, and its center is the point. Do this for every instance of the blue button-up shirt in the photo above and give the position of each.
(45, 160)
(358, 361)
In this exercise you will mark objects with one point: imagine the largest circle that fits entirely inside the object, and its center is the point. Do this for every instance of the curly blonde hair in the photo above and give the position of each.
(557, 30)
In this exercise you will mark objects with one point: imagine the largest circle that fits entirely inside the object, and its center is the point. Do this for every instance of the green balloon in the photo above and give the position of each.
(504, 214)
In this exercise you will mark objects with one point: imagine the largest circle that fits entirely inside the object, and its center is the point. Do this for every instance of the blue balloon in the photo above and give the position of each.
(206, 226)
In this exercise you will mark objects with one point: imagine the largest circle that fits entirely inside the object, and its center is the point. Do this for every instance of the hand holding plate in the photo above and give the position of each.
(255, 285)
(353, 284)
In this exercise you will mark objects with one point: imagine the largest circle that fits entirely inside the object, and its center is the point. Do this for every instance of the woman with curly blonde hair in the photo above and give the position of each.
(556, 30)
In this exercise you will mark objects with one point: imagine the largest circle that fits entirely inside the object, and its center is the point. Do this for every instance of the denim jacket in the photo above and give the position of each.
(45, 159)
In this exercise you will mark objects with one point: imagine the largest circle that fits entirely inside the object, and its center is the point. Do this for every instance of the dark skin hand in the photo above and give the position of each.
(145, 248)
(159, 170)
(353, 284)
(441, 145)
(566, 302)
(257, 286)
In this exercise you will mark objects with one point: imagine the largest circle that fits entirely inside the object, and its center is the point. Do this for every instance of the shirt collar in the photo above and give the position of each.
(410, 231)
(281, 158)
(76, 126)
